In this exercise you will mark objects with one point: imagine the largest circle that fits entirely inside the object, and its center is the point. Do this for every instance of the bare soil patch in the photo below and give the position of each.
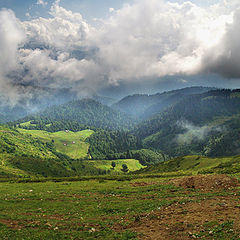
(182, 222)
(11, 224)
(142, 184)
(185, 220)
(206, 182)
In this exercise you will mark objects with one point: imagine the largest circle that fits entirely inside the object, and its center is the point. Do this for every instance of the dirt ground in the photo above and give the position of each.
(181, 221)
(207, 182)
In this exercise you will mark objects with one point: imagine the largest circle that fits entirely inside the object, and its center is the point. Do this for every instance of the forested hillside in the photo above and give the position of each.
(198, 124)
(85, 112)
(144, 105)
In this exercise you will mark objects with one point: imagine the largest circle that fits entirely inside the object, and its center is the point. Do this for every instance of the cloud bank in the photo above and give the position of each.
(147, 39)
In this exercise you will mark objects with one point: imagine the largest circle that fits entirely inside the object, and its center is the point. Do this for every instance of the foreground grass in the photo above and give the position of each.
(111, 209)
(76, 210)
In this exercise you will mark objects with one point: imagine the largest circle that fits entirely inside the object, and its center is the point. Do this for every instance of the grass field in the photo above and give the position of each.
(197, 164)
(132, 164)
(133, 209)
(70, 143)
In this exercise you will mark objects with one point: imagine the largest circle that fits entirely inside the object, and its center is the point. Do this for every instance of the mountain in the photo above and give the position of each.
(86, 112)
(104, 100)
(144, 106)
(204, 124)
(39, 98)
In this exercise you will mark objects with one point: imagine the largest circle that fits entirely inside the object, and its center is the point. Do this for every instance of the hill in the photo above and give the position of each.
(86, 112)
(204, 124)
(33, 153)
(66, 142)
(196, 165)
(145, 105)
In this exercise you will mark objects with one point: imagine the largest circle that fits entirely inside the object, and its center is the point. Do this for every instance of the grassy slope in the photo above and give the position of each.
(132, 164)
(15, 145)
(77, 150)
(197, 164)
(25, 153)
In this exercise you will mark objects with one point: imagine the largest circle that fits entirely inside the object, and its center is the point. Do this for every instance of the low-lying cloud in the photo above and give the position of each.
(193, 133)
(147, 39)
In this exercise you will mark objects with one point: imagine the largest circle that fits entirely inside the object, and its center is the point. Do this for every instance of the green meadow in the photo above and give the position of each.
(132, 165)
(197, 164)
(69, 143)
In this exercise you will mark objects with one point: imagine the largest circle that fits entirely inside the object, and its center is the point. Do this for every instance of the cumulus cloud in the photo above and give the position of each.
(153, 38)
(224, 58)
(11, 38)
(63, 30)
(144, 40)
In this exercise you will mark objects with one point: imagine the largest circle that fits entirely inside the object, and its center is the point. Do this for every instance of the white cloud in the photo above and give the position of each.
(41, 2)
(60, 72)
(111, 10)
(11, 37)
(147, 39)
(64, 30)
(224, 58)
(153, 38)
(28, 15)
(192, 132)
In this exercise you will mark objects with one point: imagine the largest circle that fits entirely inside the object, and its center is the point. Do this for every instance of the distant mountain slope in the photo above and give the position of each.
(144, 106)
(86, 111)
(197, 124)
(39, 98)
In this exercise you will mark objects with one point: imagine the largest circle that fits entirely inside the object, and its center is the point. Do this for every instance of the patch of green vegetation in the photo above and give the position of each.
(27, 124)
(132, 165)
(69, 143)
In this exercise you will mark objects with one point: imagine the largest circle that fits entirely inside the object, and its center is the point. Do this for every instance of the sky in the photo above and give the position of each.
(117, 47)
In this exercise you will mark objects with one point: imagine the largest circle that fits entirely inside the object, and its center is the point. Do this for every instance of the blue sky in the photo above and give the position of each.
(88, 8)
